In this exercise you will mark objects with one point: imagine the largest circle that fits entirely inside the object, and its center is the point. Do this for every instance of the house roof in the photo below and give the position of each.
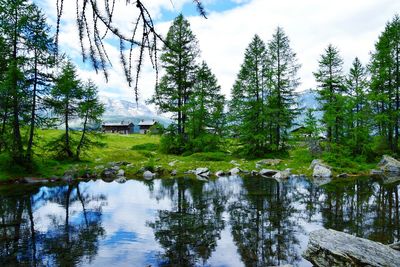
(147, 123)
(113, 124)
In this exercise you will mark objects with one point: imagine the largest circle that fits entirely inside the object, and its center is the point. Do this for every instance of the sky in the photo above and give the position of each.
(353, 26)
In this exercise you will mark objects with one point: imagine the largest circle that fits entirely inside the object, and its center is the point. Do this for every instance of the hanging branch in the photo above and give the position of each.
(90, 20)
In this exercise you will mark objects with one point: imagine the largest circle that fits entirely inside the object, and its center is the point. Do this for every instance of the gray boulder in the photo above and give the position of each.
(389, 164)
(282, 175)
(333, 248)
(314, 163)
(235, 171)
(120, 173)
(148, 175)
(322, 171)
(268, 172)
(174, 172)
(202, 172)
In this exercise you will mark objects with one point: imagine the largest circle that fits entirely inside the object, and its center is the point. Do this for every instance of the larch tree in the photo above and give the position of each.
(206, 104)
(283, 81)
(64, 101)
(14, 18)
(385, 84)
(39, 70)
(90, 110)
(358, 112)
(330, 80)
(249, 103)
(178, 59)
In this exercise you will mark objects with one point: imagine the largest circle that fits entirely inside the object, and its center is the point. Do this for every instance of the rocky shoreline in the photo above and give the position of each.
(388, 169)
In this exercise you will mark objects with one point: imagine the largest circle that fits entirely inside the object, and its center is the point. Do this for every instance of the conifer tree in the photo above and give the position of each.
(64, 101)
(358, 111)
(385, 84)
(283, 81)
(330, 81)
(248, 107)
(4, 93)
(39, 70)
(90, 110)
(206, 104)
(178, 59)
(14, 18)
(311, 124)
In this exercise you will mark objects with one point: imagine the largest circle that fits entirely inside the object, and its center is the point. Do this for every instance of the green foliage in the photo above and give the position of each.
(90, 110)
(385, 84)
(172, 143)
(262, 108)
(330, 81)
(190, 92)
(206, 105)
(311, 124)
(178, 59)
(64, 101)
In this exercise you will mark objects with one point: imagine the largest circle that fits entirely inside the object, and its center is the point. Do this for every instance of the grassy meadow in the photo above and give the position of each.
(143, 151)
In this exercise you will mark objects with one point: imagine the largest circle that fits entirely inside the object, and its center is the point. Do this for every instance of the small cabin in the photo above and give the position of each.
(121, 128)
(144, 126)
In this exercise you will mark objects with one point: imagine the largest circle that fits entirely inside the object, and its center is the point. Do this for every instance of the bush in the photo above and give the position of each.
(172, 144)
(203, 143)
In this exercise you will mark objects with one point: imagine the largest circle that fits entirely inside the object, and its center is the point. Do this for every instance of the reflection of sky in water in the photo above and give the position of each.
(126, 212)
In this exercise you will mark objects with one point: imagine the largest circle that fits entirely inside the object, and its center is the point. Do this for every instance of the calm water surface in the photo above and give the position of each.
(186, 222)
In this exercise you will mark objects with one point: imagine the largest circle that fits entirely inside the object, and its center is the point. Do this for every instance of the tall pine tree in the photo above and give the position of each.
(358, 112)
(206, 104)
(248, 106)
(385, 84)
(178, 59)
(330, 81)
(64, 101)
(283, 81)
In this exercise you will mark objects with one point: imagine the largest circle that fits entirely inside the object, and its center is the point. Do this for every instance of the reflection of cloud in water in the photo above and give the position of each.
(216, 223)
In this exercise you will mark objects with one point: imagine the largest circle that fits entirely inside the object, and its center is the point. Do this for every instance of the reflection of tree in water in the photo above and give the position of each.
(363, 207)
(66, 241)
(263, 224)
(189, 232)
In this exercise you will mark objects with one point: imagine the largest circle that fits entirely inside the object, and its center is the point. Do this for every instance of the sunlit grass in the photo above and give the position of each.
(142, 151)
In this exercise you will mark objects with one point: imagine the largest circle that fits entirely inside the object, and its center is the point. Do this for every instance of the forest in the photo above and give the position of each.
(40, 89)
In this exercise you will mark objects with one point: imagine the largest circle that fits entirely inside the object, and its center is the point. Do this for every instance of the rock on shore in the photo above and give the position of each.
(333, 248)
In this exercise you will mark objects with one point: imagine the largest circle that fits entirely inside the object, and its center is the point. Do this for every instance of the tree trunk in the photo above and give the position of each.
(3, 126)
(78, 150)
(17, 149)
(67, 145)
(33, 112)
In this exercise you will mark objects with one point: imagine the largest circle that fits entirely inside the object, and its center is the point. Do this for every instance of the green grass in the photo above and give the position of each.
(143, 151)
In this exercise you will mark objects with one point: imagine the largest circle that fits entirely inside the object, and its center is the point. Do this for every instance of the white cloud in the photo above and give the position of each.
(352, 26)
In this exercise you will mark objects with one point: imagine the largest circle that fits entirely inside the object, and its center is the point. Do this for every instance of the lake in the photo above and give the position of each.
(230, 221)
